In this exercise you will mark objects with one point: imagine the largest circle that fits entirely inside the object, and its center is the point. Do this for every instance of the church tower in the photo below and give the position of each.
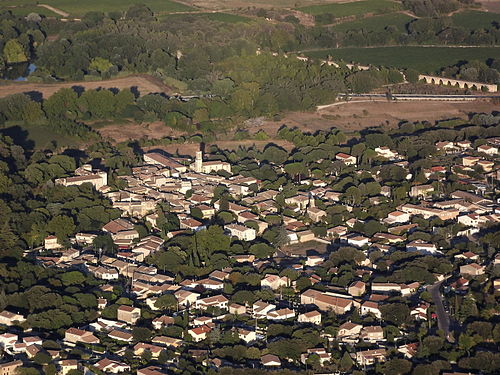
(198, 162)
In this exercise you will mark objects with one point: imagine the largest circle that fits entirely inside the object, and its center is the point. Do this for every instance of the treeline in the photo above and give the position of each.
(475, 71)
(431, 8)
(438, 30)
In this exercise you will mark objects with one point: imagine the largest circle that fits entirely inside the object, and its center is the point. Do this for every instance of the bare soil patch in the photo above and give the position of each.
(143, 83)
(491, 5)
(126, 131)
(355, 116)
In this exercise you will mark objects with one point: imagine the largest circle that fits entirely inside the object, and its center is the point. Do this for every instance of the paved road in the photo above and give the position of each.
(442, 315)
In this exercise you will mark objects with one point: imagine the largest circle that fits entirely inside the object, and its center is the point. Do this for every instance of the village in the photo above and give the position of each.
(356, 315)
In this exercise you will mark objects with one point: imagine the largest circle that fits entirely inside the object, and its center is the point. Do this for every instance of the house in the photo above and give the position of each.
(422, 247)
(128, 314)
(163, 321)
(372, 334)
(409, 350)
(315, 214)
(186, 297)
(386, 152)
(191, 224)
(99, 179)
(9, 368)
(167, 341)
(51, 243)
(346, 158)
(141, 347)
(236, 309)
(427, 212)
(66, 365)
(246, 335)
(199, 333)
(300, 201)
(349, 332)
(218, 301)
(421, 191)
(270, 360)
(357, 288)
(323, 355)
(274, 282)
(312, 317)
(370, 357)
(470, 161)
(7, 340)
(281, 314)
(488, 150)
(385, 288)
(118, 225)
(357, 240)
(9, 318)
(472, 269)
(241, 232)
(261, 308)
(397, 217)
(121, 335)
(370, 307)
(75, 335)
(114, 367)
(326, 302)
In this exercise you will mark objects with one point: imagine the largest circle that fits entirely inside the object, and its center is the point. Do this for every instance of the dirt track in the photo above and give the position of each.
(145, 84)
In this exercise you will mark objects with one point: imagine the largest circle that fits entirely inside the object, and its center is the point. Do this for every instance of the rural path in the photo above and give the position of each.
(442, 315)
(55, 10)
(144, 83)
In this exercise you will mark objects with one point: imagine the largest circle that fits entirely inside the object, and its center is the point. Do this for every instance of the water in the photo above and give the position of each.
(19, 72)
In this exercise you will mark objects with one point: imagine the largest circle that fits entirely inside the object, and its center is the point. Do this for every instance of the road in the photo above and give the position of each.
(442, 316)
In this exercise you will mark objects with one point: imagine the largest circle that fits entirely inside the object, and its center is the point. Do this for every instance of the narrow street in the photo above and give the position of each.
(442, 315)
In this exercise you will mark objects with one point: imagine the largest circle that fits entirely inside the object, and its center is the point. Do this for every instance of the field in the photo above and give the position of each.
(355, 116)
(376, 23)
(352, 8)
(79, 8)
(276, 4)
(475, 19)
(220, 17)
(24, 10)
(418, 58)
(143, 83)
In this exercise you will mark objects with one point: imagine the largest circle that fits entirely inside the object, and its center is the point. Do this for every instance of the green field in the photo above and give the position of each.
(475, 19)
(352, 9)
(24, 10)
(79, 8)
(376, 23)
(220, 17)
(422, 59)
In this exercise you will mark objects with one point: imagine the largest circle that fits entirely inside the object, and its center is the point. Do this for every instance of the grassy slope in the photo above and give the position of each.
(410, 57)
(475, 19)
(376, 23)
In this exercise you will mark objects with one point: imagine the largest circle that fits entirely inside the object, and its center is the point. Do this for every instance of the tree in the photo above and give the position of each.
(141, 333)
(397, 313)
(397, 366)
(166, 302)
(14, 52)
(72, 278)
(346, 362)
